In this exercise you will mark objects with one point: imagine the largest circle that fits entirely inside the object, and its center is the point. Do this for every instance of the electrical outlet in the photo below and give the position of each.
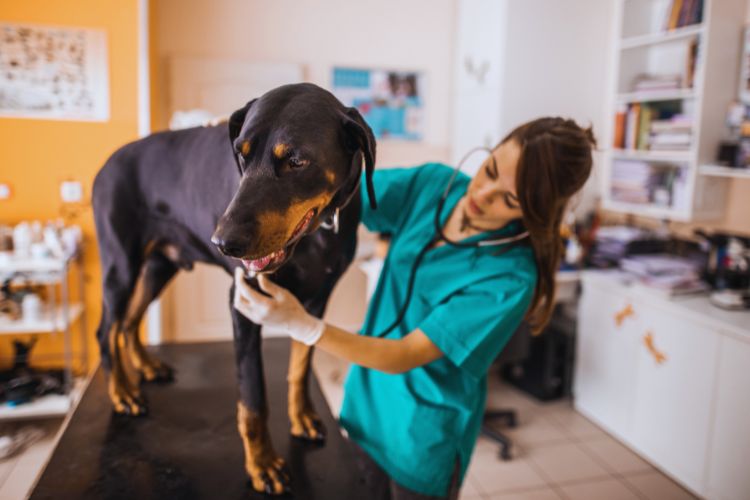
(5, 191)
(71, 191)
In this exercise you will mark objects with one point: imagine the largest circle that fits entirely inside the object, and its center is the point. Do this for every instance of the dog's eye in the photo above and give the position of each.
(296, 162)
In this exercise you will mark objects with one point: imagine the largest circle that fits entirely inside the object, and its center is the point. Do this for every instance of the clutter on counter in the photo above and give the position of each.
(714, 263)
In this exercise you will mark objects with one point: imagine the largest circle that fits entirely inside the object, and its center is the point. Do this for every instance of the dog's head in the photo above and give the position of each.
(299, 152)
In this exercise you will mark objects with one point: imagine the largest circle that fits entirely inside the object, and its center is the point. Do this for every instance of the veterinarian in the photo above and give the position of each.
(415, 396)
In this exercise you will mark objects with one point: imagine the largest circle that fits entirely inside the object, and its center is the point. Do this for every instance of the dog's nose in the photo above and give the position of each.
(228, 247)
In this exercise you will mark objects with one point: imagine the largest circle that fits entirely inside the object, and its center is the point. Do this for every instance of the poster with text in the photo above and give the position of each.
(391, 102)
(53, 73)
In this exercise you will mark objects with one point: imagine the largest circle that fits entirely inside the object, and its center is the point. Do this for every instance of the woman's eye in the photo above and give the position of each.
(295, 162)
(511, 201)
(491, 172)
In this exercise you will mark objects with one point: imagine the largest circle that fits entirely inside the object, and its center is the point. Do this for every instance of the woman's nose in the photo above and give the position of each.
(485, 195)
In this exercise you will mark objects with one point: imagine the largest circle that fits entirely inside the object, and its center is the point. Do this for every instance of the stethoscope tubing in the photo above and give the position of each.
(439, 235)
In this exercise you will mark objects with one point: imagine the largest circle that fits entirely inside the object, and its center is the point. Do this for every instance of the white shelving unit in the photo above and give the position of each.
(59, 318)
(642, 45)
(721, 171)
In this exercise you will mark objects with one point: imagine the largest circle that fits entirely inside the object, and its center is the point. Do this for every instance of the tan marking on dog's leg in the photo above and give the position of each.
(266, 469)
(144, 363)
(123, 391)
(305, 421)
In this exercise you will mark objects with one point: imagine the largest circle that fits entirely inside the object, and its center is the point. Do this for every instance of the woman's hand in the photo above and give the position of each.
(280, 310)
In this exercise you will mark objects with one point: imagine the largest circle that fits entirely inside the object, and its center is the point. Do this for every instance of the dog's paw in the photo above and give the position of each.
(307, 425)
(272, 478)
(126, 401)
(158, 372)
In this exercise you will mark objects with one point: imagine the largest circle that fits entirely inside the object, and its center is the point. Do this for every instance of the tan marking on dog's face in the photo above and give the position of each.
(245, 148)
(330, 177)
(280, 150)
(275, 229)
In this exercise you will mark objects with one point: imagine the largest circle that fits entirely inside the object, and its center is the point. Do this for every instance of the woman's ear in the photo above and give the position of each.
(361, 135)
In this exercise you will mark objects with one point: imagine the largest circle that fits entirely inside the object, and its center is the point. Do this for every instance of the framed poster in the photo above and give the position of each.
(53, 73)
(390, 101)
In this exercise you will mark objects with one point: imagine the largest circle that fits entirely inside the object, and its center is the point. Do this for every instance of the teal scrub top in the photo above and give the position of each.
(468, 301)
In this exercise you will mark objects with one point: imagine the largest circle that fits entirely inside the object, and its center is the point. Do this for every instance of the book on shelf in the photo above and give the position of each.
(652, 126)
(620, 121)
(683, 13)
(647, 82)
(644, 128)
(671, 139)
(631, 125)
(675, 124)
(692, 61)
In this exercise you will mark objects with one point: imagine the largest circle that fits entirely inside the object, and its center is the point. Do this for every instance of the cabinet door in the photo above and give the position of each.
(728, 476)
(676, 373)
(605, 358)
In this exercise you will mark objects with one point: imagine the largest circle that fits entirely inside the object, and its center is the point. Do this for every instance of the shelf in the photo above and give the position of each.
(653, 156)
(9, 263)
(720, 171)
(645, 210)
(657, 95)
(662, 37)
(47, 325)
(51, 405)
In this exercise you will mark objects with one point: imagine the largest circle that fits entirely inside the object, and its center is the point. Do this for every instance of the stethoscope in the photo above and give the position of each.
(440, 236)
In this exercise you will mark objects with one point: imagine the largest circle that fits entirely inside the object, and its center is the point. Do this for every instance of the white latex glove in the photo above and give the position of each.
(281, 311)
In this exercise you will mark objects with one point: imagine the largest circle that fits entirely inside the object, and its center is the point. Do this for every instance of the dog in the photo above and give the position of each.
(276, 189)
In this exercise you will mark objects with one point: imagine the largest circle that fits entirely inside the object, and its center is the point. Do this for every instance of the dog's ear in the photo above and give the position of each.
(236, 120)
(361, 135)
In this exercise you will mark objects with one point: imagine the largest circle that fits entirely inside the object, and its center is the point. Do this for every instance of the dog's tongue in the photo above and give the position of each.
(258, 265)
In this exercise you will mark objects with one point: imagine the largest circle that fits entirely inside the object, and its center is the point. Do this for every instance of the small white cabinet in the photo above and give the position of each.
(605, 364)
(670, 378)
(729, 458)
(676, 367)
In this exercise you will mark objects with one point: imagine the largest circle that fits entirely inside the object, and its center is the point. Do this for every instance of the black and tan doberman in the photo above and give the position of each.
(264, 192)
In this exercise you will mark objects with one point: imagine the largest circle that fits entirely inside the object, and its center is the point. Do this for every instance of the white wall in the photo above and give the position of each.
(558, 62)
(414, 34)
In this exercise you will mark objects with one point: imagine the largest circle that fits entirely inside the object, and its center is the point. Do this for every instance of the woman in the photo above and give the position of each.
(414, 398)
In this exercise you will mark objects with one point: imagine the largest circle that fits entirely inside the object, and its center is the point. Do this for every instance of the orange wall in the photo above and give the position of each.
(36, 155)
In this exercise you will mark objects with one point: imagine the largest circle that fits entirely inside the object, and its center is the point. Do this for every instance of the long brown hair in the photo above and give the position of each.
(554, 164)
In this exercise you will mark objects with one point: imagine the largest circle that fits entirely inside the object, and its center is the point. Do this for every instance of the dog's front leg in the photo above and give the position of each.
(306, 423)
(268, 472)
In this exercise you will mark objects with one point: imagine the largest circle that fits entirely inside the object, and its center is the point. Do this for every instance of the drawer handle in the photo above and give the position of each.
(626, 312)
(648, 341)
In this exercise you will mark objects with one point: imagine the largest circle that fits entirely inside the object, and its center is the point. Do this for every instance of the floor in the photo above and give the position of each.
(557, 454)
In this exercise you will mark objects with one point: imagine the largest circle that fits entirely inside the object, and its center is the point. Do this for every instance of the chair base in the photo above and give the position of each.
(510, 419)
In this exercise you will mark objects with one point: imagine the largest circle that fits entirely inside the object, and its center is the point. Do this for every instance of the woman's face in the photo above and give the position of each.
(491, 199)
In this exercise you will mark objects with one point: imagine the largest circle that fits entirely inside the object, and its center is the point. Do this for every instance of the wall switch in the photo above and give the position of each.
(71, 191)
(4, 191)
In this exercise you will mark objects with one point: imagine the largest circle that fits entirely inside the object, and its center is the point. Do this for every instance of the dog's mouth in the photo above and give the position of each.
(274, 259)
